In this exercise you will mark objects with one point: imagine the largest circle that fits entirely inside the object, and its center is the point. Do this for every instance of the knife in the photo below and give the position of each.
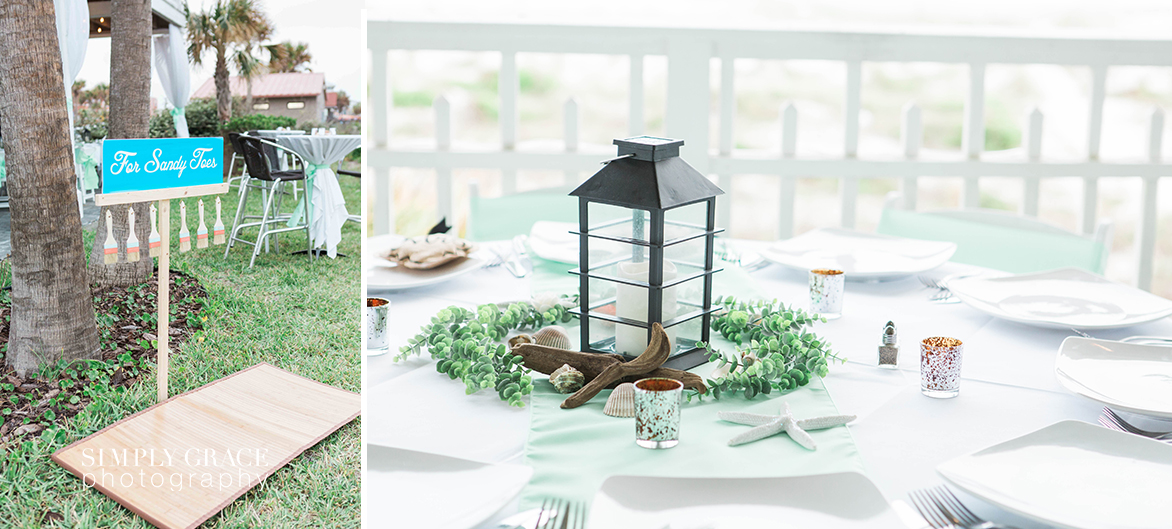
(518, 262)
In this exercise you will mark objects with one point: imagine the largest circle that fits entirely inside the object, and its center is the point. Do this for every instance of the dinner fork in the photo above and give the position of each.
(557, 513)
(942, 509)
(1112, 420)
(943, 294)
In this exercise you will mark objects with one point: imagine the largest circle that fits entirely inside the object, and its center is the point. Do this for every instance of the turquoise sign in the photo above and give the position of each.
(165, 163)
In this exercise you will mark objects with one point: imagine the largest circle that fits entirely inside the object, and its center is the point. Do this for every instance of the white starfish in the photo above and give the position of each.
(770, 425)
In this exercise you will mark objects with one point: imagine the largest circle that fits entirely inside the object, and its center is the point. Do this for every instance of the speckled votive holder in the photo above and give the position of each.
(826, 289)
(657, 412)
(377, 337)
(940, 367)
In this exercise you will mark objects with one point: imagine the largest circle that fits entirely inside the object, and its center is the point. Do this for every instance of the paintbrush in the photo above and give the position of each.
(154, 242)
(201, 233)
(184, 235)
(218, 227)
(111, 248)
(132, 240)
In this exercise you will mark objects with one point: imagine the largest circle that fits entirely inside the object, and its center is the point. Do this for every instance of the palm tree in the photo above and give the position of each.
(287, 57)
(52, 315)
(130, 103)
(226, 27)
(249, 68)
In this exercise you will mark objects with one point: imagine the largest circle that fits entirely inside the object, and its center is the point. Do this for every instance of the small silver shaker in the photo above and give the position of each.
(889, 348)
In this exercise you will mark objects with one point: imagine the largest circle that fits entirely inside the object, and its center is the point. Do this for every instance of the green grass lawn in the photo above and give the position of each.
(297, 314)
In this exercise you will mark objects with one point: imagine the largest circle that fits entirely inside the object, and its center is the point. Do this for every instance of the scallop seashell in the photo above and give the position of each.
(552, 336)
(520, 339)
(621, 402)
(566, 379)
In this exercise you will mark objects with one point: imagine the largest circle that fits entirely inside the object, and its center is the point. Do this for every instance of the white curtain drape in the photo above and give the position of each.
(171, 65)
(73, 36)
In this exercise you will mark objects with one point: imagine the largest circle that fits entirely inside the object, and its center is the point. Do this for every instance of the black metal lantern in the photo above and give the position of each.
(646, 227)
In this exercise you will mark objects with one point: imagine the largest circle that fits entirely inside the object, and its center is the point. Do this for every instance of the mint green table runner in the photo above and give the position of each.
(573, 451)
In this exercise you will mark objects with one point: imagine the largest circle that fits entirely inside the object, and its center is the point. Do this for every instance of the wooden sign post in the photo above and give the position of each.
(160, 170)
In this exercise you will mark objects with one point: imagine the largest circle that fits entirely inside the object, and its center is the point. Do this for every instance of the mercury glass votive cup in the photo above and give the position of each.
(826, 290)
(940, 367)
(657, 412)
(377, 336)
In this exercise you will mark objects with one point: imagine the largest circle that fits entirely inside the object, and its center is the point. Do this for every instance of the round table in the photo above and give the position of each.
(1008, 386)
(327, 206)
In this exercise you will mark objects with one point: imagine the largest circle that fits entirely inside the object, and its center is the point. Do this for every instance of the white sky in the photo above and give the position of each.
(330, 27)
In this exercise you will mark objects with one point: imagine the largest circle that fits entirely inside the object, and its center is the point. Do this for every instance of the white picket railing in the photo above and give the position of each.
(689, 52)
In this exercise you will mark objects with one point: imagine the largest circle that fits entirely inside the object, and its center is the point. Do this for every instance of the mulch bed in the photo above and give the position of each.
(126, 319)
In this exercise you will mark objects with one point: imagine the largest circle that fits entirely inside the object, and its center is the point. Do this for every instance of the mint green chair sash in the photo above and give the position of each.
(89, 169)
(997, 246)
(311, 169)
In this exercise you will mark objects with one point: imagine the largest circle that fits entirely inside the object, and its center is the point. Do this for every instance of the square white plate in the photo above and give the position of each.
(1125, 376)
(405, 488)
(1061, 299)
(862, 256)
(384, 274)
(846, 499)
(1075, 475)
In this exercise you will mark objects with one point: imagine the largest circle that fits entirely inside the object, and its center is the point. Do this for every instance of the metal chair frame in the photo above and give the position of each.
(269, 215)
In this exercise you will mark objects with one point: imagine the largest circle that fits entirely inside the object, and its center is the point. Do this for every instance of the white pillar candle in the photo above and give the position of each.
(631, 303)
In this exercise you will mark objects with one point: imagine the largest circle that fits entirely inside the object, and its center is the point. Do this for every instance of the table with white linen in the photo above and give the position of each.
(327, 206)
(1008, 386)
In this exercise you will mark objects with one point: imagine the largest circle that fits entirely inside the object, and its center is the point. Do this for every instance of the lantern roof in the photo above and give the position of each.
(649, 174)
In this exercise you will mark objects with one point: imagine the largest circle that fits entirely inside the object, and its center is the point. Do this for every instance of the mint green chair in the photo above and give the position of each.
(1000, 240)
(502, 218)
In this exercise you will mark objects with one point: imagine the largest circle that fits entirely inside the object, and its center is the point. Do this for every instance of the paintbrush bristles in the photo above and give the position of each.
(132, 239)
(110, 250)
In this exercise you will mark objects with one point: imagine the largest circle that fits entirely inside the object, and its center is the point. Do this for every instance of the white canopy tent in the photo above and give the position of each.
(73, 36)
(174, 74)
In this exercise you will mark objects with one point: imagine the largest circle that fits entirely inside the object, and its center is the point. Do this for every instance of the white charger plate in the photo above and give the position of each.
(1061, 299)
(846, 499)
(384, 274)
(862, 256)
(1075, 475)
(405, 488)
(1125, 376)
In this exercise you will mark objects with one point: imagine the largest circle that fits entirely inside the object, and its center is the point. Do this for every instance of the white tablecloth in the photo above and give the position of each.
(1008, 386)
(326, 203)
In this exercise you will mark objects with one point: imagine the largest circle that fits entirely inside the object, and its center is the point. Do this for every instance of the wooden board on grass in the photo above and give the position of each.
(181, 461)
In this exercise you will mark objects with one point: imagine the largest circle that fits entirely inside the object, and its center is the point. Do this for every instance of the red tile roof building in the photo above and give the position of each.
(300, 95)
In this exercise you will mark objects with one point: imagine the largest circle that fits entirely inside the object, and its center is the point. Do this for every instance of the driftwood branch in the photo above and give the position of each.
(546, 359)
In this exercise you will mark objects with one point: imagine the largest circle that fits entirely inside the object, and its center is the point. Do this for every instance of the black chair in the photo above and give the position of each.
(234, 140)
(261, 167)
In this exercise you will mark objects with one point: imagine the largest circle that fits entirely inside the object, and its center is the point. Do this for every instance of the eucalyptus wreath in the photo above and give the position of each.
(781, 355)
(467, 344)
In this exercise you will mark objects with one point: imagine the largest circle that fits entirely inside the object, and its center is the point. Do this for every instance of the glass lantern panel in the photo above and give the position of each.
(615, 221)
(685, 221)
(685, 335)
(602, 304)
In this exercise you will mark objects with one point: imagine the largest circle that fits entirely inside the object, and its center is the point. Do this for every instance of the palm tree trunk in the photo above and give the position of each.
(130, 103)
(52, 316)
(248, 98)
(223, 92)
